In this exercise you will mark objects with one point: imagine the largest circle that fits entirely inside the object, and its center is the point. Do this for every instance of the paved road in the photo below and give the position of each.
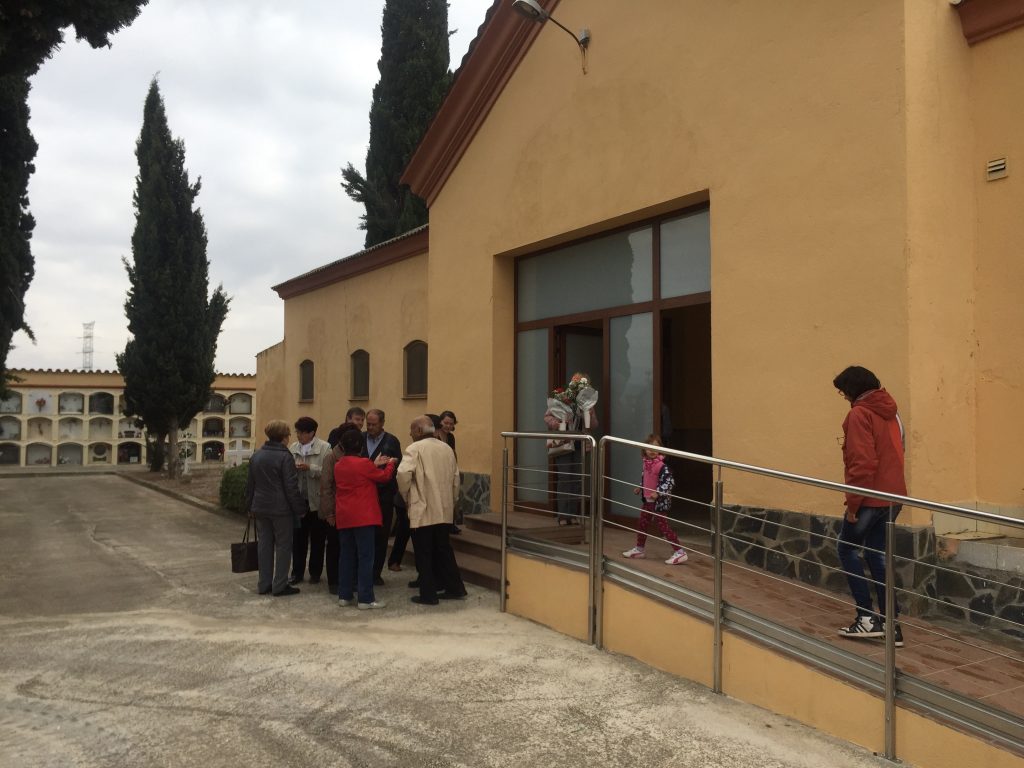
(126, 641)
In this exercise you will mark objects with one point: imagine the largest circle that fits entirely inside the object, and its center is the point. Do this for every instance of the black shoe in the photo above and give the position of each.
(451, 596)
(863, 627)
(414, 584)
(294, 580)
(314, 579)
(421, 601)
(378, 581)
(264, 592)
(897, 635)
(455, 530)
(289, 590)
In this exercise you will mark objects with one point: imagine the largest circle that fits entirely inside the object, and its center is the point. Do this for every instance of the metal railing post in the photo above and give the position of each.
(718, 545)
(596, 634)
(503, 585)
(890, 638)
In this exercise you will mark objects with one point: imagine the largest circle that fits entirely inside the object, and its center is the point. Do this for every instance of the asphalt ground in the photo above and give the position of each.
(125, 640)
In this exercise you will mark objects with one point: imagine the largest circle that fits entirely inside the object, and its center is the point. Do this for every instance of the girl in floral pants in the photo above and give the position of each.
(656, 486)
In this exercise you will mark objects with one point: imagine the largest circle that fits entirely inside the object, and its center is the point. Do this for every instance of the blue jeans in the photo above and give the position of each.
(867, 535)
(356, 546)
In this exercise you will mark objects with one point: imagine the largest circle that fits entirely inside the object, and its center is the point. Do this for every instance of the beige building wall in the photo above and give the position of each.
(380, 311)
(799, 144)
(997, 78)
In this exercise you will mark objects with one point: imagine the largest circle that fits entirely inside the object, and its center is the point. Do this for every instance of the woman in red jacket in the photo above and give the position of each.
(357, 516)
(872, 458)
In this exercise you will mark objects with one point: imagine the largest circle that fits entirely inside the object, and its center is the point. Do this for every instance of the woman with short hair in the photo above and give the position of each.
(273, 501)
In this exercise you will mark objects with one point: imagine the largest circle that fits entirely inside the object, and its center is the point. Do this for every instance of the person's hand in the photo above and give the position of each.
(302, 466)
(851, 515)
(381, 460)
(330, 520)
(636, 491)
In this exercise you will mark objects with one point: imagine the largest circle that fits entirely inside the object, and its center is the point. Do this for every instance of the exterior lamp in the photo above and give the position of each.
(532, 10)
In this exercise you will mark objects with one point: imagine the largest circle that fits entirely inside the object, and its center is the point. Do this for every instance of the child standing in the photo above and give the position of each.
(656, 486)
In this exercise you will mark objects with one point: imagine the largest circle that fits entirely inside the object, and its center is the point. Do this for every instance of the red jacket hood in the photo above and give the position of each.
(879, 401)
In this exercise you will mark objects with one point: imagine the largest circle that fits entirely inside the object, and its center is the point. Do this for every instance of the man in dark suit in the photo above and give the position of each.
(379, 442)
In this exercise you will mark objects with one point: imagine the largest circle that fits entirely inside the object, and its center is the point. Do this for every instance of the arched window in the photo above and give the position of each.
(306, 381)
(360, 375)
(416, 369)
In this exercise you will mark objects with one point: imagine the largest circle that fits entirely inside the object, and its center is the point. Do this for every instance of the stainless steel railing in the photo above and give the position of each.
(1001, 726)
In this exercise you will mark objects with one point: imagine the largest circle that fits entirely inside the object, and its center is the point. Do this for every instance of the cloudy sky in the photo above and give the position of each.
(271, 100)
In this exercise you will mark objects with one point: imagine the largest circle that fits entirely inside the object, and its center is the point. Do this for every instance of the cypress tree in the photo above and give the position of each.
(167, 364)
(414, 78)
(30, 31)
(17, 150)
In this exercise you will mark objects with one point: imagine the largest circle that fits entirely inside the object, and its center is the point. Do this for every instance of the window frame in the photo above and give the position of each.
(360, 356)
(307, 389)
(408, 349)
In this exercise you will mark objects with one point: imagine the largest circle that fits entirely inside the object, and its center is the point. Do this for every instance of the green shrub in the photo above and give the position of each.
(232, 488)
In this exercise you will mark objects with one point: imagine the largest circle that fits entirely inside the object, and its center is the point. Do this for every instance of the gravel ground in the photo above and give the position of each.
(126, 641)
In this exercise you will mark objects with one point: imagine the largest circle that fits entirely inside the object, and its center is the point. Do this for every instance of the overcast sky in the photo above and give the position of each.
(271, 100)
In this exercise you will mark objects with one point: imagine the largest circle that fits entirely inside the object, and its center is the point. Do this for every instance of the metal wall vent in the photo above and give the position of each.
(995, 169)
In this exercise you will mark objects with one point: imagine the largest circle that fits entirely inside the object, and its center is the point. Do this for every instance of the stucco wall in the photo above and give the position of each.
(998, 114)
(789, 118)
(379, 311)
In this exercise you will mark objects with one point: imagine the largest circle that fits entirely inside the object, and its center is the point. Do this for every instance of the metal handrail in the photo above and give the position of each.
(887, 682)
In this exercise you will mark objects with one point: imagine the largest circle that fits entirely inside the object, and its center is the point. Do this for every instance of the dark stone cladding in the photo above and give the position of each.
(474, 495)
(802, 547)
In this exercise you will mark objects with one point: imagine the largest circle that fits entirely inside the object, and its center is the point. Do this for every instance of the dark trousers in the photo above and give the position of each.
(435, 562)
(332, 554)
(319, 532)
(300, 544)
(275, 551)
(867, 535)
(356, 560)
(401, 535)
(381, 536)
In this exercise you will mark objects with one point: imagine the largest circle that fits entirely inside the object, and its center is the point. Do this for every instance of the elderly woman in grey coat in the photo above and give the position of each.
(273, 500)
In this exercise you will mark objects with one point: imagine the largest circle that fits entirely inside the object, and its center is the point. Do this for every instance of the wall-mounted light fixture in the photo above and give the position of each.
(532, 10)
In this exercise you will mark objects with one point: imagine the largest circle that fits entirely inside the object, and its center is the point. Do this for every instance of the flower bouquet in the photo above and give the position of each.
(573, 403)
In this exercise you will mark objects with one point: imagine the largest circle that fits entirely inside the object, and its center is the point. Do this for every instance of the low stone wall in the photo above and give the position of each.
(474, 495)
(802, 546)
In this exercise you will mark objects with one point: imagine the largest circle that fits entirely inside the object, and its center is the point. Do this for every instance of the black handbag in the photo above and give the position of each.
(245, 554)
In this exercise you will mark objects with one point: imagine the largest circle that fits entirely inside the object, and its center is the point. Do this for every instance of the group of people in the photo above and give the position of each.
(334, 503)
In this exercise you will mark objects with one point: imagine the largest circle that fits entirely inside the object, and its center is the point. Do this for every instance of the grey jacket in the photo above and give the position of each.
(273, 486)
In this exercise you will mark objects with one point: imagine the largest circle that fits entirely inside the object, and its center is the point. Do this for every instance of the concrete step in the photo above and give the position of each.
(477, 543)
(491, 522)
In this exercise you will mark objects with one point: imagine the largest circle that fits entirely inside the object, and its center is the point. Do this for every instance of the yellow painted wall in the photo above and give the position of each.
(800, 146)
(666, 638)
(549, 594)
(379, 311)
(676, 642)
(997, 78)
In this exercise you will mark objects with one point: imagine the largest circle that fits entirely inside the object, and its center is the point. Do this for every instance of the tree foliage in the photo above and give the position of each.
(414, 77)
(167, 364)
(30, 31)
(17, 150)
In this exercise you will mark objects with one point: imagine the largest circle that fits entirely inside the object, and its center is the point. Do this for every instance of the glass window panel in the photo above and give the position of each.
(360, 374)
(416, 369)
(686, 255)
(631, 403)
(305, 386)
(611, 271)
(531, 402)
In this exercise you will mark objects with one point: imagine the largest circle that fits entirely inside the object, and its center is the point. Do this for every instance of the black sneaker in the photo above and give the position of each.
(897, 635)
(289, 590)
(863, 627)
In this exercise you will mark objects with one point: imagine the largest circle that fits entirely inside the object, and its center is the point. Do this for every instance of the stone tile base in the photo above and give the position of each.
(474, 495)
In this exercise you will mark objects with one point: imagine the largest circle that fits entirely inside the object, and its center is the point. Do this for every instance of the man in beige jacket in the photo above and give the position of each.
(428, 479)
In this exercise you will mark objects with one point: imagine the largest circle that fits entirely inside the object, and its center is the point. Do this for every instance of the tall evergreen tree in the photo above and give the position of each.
(30, 31)
(17, 150)
(168, 363)
(414, 77)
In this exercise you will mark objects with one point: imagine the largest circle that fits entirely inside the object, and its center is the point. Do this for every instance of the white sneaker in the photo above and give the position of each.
(637, 552)
(345, 603)
(677, 558)
(369, 606)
